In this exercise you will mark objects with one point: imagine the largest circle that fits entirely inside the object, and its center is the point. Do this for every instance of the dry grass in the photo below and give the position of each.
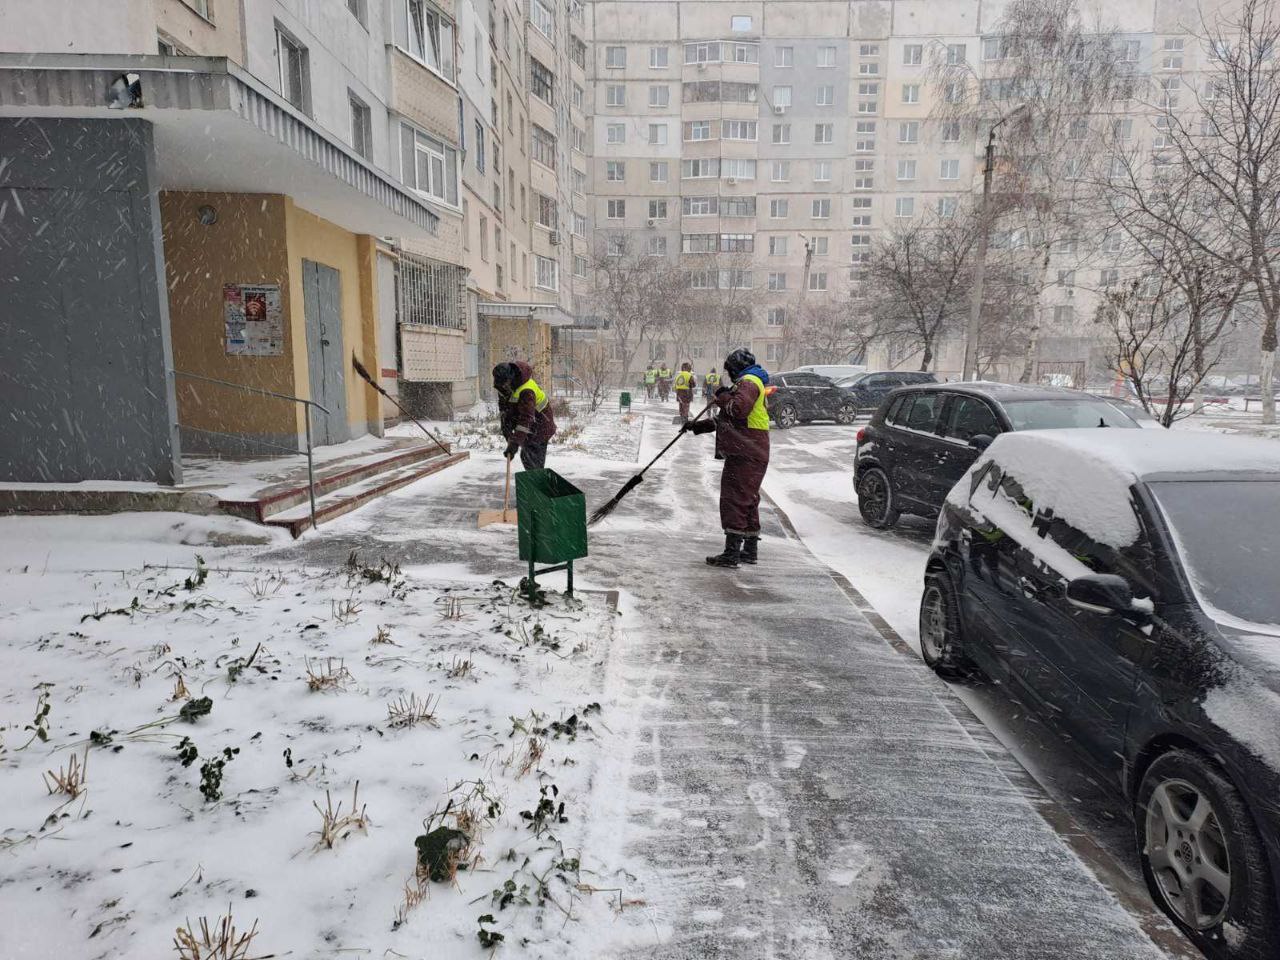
(180, 691)
(221, 942)
(382, 636)
(528, 756)
(459, 668)
(410, 711)
(334, 824)
(344, 611)
(330, 674)
(71, 779)
(416, 890)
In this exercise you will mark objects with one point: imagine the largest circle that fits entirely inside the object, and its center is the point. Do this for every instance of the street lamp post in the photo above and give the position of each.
(984, 235)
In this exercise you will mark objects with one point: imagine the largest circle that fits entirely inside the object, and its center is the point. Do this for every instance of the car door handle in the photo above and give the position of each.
(1035, 589)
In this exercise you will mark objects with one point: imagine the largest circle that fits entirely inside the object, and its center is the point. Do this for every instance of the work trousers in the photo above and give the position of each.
(740, 495)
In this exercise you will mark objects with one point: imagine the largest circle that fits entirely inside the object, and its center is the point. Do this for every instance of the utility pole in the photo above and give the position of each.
(804, 291)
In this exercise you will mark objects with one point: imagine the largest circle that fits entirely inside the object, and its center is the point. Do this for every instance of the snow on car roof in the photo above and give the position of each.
(1084, 475)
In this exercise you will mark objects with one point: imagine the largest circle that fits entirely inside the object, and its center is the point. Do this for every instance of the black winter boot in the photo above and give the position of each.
(749, 547)
(732, 552)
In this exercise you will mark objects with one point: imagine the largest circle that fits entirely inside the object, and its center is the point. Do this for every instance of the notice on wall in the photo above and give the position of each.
(254, 323)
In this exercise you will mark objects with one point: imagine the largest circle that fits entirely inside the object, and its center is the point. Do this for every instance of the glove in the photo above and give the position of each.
(699, 427)
(512, 449)
(720, 391)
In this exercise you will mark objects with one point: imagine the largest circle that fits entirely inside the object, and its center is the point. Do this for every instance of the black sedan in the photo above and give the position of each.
(870, 388)
(922, 439)
(800, 397)
(1124, 583)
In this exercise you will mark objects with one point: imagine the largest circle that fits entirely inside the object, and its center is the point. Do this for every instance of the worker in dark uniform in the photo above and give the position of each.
(684, 383)
(742, 441)
(527, 422)
(710, 383)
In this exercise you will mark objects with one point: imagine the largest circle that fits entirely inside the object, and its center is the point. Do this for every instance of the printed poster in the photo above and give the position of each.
(254, 323)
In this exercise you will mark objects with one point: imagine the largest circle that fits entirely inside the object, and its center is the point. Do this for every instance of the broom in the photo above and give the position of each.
(364, 375)
(634, 482)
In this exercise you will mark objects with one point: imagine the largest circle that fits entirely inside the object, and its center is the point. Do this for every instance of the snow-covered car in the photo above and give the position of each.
(1124, 583)
(833, 371)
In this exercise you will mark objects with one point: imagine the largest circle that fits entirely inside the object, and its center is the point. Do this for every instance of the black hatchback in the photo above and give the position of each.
(869, 389)
(800, 397)
(923, 439)
(1123, 585)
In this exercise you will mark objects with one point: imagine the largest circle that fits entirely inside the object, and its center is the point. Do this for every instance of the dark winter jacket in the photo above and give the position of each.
(521, 418)
(733, 437)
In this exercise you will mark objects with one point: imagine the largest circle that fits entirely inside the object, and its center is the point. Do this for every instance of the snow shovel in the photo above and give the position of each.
(368, 378)
(499, 516)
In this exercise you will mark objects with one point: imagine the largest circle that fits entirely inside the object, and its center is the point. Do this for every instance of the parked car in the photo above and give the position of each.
(799, 397)
(1133, 410)
(1124, 584)
(869, 389)
(923, 439)
(833, 371)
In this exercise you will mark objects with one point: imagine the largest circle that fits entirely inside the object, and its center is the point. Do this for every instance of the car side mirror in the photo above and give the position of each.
(980, 441)
(1101, 593)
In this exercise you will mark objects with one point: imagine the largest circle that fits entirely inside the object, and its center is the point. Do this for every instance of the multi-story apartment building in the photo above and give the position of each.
(791, 135)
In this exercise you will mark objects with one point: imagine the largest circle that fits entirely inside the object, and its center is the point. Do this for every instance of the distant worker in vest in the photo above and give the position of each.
(742, 441)
(525, 411)
(650, 381)
(710, 383)
(685, 383)
(664, 383)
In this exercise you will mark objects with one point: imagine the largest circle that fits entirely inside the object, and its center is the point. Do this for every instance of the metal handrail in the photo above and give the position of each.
(306, 411)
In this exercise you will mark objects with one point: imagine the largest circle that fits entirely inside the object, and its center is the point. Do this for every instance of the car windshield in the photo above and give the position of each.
(1228, 536)
(1065, 413)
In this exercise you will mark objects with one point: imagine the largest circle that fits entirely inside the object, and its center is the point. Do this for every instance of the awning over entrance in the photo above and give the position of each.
(549, 313)
(218, 129)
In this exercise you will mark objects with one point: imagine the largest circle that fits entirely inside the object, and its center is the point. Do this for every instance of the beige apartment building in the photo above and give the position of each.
(784, 137)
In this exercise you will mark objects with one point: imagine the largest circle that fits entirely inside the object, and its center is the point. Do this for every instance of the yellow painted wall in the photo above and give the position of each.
(509, 341)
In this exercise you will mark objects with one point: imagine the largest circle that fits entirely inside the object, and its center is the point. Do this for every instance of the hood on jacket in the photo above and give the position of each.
(755, 370)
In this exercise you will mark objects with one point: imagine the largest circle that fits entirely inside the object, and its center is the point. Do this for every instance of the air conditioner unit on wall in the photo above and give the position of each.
(651, 224)
(732, 181)
(779, 109)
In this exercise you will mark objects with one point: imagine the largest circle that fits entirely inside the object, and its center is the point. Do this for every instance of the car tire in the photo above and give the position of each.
(847, 414)
(875, 499)
(941, 635)
(1240, 923)
(786, 417)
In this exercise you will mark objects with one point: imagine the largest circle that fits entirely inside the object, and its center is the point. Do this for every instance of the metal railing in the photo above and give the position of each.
(306, 408)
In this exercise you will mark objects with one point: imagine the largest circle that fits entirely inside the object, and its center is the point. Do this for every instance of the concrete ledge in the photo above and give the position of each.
(105, 501)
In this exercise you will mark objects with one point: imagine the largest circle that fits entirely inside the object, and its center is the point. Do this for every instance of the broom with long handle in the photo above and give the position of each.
(634, 482)
(364, 375)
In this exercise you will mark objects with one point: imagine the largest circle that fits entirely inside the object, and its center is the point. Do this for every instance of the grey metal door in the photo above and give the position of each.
(322, 304)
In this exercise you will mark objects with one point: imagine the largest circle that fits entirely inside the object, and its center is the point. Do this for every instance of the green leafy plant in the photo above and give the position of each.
(211, 774)
(548, 812)
(39, 725)
(198, 577)
(187, 752)
(488, 938)
(194, 709)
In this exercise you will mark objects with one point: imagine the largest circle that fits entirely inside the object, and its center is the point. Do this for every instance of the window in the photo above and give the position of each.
(1109, 277)
(860, 241)
(971, 417)
(484, 238)
(657, 172)
(1171, 59)
(735, 279)
(293, 70)
(580, 264)
(909, 132)
(904, 207)
(700, 168)
(738, 129)
(615, 171)
(781, 171)
(479, 151)
(615, 95)
(356, 7)
(615, 58)
(657, 209)
(818, 281)
(541, 82)
(658, 134)
(578, 52)
(776, 317)
(657, 58)
(1169, 87)
(740, 24)
(871, 89)
(615, 133)
(911, 93)
(821, 170)
(738, 169)
(864, 183)
(777, 281)
(431, 38)
(697, 130)
(782, 97)
(823, 132)
(547, 215)
(996, 48)
(782, 133)
(615, 245)
(867, 107)
(778, 209)
(865, 141)
(579, 225)
(737, 243)
(701, 52)
(1067, 278)
(869, 69)
(869, 50)
(659, 96)
(784, 56)
(1128, 51)
(777, 246)
(826, 56)
(913, 54)
(428, 165)
(947, 207)
(950, 170)
(700, 206)
(826, 95)
(361, 126)
(548, 273)
(906, 169)
(199, 6)
(543, 148)
(657, 246)
(617, 210)
(579, 139)
(1161, 138)
(957, 53)
(951, 131)
(1064, 314)
(821, 209)
(820, 246)
(953, 91)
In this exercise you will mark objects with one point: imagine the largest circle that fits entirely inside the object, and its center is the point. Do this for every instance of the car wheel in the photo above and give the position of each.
(875, 499)
(847, 414)
(787, 417)
(941, 639)
(1203, 860)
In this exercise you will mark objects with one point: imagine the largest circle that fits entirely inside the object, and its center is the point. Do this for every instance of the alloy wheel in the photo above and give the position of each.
(933, 623)
(847, 414)
(787, 417)
(1187, 852)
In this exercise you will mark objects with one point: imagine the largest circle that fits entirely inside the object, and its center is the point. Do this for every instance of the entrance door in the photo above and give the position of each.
(322, 305)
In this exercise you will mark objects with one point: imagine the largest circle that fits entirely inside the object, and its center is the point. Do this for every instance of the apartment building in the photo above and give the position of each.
(786, 137)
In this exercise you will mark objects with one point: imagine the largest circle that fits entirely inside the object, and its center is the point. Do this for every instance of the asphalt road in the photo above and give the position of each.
(797, 786)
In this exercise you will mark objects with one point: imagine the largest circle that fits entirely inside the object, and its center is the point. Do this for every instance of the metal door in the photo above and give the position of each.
(322, 305)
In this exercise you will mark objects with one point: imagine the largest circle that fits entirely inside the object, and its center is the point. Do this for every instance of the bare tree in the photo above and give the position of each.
(635, 292)
(1049, 71)
(722, 293)
(595, 369)
(833, 330)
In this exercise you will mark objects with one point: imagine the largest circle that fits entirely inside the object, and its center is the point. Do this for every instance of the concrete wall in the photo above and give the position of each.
(85, 325)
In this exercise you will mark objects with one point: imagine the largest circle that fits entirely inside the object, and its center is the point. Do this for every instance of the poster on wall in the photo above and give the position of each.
(254, 324)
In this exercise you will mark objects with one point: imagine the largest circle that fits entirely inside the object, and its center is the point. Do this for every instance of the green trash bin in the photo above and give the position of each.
(551, 521)
(624, 401)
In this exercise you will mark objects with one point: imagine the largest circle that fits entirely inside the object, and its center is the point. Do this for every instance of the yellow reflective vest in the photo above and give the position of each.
(758, 418)
(684, 380)
(664, 373)
(712, 379)
(651, 376)
(539, 398)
